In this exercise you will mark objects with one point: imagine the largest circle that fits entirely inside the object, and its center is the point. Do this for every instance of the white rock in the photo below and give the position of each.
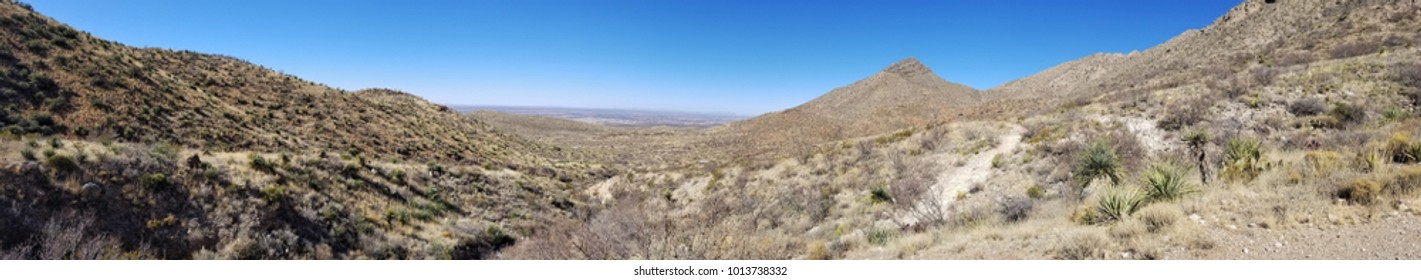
(1278, 244)
(1245, 250)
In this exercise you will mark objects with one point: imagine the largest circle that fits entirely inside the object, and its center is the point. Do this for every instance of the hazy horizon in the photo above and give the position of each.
(640, 55)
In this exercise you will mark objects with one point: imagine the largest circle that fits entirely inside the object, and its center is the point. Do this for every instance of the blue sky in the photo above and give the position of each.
(738, 56)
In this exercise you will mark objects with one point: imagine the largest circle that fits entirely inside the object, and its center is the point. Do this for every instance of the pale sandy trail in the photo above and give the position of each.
(976, 169)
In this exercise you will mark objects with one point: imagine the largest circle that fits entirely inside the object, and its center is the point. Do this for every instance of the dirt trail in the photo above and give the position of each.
(976, 169)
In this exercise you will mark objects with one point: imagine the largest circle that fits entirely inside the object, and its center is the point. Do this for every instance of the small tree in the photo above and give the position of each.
(1100, 160)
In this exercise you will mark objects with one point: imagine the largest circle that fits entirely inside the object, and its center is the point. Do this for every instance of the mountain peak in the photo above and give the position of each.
(907, 67)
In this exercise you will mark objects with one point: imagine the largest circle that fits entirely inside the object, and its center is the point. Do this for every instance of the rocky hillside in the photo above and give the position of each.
(1257, 36)
(110, 151)
(67, 82)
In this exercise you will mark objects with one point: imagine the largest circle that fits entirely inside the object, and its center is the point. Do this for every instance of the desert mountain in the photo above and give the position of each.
(155, 153)
(1258, 36)
(68, 82)
(905, 94)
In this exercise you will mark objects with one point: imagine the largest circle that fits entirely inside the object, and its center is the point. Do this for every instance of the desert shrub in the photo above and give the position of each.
(273, 193)
(260, 163)
(1184, 113)
(878, 194)
(816, 250)
(56, 143)
(1367, 160)
(1197, 140)
(1350, 114)
(998, 161)
(1264, 76)
(1307, 107)
(153, 180)
(28, 154)
(1357, 48)
(1409, 75)
(1322, 162)
(1080, 246)
(1322, 122)
(1085, 215)
(1402, 150)
(879, 236)
(1406, 180)
(1035, 192)
(62, 163)
(1361, 191)
(1015, 209)
(1294, 58)
(1098, 161)
(1157, 218)
(1243, 159)
(1117, 204)
(166, 152)
(1166, 182)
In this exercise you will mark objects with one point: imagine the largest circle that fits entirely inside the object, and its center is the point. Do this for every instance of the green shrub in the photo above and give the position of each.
(273, 193)
(879, 236)
(879, 194)
(164, 151)
(1034, 192)
(55, 143)
(153, 180)
(1118, 204)
(62, 163)
(1100, 160)
(998, 161)
(1243, 159)
(260, 163)
(1166, 182)
(28, 154)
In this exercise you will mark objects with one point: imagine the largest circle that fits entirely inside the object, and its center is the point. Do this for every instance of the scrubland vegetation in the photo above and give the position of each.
(1227, 142)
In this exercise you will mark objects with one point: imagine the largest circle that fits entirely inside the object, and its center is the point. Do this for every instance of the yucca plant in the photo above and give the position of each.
(1197, 140)
(1166, 182)
(1100, 160)
(1243, 159)
(1117, 204)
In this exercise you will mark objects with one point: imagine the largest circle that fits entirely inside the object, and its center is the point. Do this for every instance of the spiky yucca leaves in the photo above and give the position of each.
(1100, 160)
(1165, 182)
(1243, 159)
(1197, 140)
(1118, 203)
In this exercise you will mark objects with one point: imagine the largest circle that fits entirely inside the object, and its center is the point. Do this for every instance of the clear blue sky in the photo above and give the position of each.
(738, 56)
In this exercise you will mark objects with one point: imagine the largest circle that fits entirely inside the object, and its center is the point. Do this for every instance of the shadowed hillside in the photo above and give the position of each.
(111, 151)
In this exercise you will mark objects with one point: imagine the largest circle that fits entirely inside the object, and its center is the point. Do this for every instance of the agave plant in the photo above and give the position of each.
(1166, 182)
(1118, 204)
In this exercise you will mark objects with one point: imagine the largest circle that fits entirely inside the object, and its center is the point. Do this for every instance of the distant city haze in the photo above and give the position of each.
(739, 57)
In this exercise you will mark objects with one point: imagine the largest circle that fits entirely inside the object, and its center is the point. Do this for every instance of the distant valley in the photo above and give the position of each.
(613, 117)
